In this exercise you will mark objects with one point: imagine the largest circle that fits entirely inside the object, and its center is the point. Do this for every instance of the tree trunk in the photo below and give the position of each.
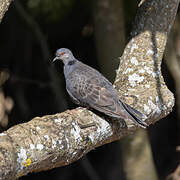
(110, 40)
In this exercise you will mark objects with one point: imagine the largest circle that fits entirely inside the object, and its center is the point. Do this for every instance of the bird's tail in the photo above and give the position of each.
(135, 115)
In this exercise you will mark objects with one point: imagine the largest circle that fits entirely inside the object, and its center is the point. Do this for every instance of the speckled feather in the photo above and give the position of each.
(88, 87)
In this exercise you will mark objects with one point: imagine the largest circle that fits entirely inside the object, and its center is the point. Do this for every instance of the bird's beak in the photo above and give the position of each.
(56, 58)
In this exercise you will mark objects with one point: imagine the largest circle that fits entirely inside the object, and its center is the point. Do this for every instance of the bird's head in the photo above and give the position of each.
(65, 55)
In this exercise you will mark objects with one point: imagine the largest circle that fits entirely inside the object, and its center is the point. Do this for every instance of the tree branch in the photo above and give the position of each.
(57, 140)
(139, 75)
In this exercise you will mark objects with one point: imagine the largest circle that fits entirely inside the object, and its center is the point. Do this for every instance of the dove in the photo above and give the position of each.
(88, 87)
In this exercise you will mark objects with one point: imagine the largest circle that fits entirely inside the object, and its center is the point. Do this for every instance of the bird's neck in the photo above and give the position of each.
(70, 66)
(69, 61)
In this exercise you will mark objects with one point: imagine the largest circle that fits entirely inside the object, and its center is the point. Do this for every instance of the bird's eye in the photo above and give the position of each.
(62, 53)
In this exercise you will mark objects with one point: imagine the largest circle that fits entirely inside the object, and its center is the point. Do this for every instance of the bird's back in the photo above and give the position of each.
(92, 89)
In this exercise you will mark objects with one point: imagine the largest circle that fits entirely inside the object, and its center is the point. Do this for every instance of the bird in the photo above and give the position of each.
(89, 88)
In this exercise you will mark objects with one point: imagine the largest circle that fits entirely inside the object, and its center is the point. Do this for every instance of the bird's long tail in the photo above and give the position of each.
(136, 116)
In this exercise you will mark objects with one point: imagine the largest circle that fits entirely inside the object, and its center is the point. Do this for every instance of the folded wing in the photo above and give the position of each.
(94, 92)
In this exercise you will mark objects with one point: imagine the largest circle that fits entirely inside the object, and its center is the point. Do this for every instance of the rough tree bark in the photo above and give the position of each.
(110, 41)
(57, 140)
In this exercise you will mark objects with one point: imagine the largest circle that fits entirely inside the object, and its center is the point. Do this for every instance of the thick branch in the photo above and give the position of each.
(53, 141)
(139, 75)
(58, 140)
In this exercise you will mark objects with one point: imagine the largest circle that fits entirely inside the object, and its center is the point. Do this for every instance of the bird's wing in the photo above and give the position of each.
(72, 97)
(109, 104)
(91, 90)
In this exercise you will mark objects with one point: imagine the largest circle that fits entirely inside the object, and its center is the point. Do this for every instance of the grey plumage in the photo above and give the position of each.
(88, 87)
